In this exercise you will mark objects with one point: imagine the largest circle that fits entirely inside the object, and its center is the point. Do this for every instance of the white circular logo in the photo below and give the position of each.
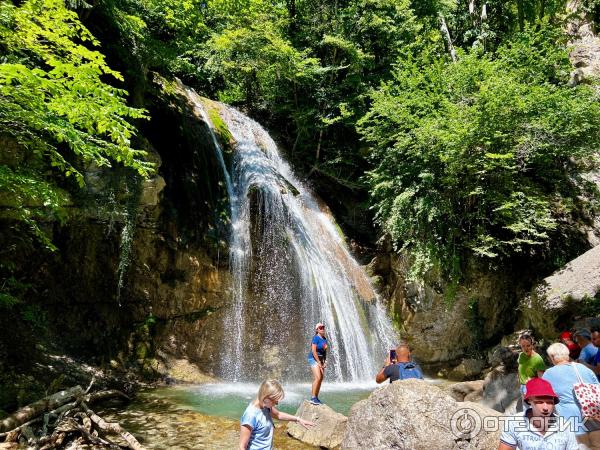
(465, 423)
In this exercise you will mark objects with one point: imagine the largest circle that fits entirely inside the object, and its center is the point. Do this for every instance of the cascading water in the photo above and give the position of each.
(290, 269)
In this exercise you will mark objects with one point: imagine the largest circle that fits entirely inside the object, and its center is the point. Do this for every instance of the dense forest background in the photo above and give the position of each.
(454, 127)
(453, 122)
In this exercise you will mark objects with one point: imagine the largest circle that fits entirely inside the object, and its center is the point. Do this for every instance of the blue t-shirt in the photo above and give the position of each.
(403, 371)
(262, 427)
(321, 344)
(562, 378)
(588, 354)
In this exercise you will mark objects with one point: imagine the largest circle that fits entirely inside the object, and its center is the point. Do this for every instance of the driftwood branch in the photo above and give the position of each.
(90, 385)
(29, 412)
(112, 428)
(68, 414)
(103, 395)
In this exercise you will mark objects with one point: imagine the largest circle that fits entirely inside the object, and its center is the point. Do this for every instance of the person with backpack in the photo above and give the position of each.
(400, 369)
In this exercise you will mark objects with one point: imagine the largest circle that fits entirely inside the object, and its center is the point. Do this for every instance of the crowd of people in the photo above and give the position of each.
(553, 416)
(256, 424)
(556, 413)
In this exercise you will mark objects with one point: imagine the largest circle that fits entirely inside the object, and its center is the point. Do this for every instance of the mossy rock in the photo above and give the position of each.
(141, 350)
(220, 127)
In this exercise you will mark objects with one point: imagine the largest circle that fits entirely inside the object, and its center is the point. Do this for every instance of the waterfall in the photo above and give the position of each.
(290, 269)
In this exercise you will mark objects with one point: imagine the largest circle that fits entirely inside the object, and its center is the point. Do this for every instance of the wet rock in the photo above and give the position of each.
(468, 369)
(503, 356)
(328, 431)
(414, 415)
(151, 188)
(501, 390)
(467, 391)
(182, 370)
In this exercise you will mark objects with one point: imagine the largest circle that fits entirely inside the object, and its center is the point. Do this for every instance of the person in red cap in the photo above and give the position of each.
(537, 427)
(566, 337)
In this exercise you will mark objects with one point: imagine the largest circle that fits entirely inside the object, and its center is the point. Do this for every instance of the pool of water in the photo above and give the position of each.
(207, 416)
(230, 399)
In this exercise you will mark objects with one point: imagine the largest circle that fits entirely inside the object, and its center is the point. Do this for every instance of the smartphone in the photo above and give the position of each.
(393, 355)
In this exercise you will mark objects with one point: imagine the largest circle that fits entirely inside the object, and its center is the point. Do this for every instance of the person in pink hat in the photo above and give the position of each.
(537, 427)
(317, 360)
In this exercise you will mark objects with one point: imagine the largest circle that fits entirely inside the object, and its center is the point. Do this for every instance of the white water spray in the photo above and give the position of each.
(290, 269)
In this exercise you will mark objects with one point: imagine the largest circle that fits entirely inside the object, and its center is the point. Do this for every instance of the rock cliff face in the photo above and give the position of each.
(585, 55)
(561, 296)
(443, 322)
(141, 266)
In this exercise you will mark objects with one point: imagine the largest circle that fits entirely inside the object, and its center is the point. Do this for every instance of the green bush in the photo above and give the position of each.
(484, 156)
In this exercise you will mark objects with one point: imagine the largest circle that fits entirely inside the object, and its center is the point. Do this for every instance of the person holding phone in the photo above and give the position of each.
(399, 366)
(317, 361)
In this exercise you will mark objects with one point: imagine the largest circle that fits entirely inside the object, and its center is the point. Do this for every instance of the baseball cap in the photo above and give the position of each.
(565, 335)
(583, 332)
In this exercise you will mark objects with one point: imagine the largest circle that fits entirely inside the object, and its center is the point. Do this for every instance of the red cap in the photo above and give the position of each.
(537, 387)
(566, 335)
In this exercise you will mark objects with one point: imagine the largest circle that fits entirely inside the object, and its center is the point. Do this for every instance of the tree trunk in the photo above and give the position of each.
(103, 395)
(447, 38)
(521, 14)
(41, 406)
(542, 9)
(291, 7)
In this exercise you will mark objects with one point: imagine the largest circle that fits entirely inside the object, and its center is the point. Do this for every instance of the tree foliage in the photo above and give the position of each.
(52, 91)
(484, 155)
(58, 115)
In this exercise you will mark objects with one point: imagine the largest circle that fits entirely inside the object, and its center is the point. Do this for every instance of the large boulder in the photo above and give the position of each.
(562, 293)
(328, 431)
(414, 415)
(468, 369)
(501, 390)
(580, 278)
(467, 391)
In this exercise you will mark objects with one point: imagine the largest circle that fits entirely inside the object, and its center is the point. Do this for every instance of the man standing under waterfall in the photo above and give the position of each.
(403, 368)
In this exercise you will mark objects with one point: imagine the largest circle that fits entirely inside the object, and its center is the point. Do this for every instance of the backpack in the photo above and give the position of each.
(409, 370)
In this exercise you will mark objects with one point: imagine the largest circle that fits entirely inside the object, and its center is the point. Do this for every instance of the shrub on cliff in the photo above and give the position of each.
(483, 156)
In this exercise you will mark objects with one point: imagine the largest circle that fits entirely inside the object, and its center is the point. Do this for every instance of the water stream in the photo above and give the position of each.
(291, 269)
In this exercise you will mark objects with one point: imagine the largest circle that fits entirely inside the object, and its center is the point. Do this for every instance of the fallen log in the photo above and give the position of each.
(112, 428)
(103, 395)
(17, 431)
(41, 406)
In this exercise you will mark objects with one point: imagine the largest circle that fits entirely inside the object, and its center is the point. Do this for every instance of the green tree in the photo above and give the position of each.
(59, 113)
(484, 156)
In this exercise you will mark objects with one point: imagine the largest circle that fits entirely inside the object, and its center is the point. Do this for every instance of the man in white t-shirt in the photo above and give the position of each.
(537, 427)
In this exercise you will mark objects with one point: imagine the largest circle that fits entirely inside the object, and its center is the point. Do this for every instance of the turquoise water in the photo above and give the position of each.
(230, 399)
